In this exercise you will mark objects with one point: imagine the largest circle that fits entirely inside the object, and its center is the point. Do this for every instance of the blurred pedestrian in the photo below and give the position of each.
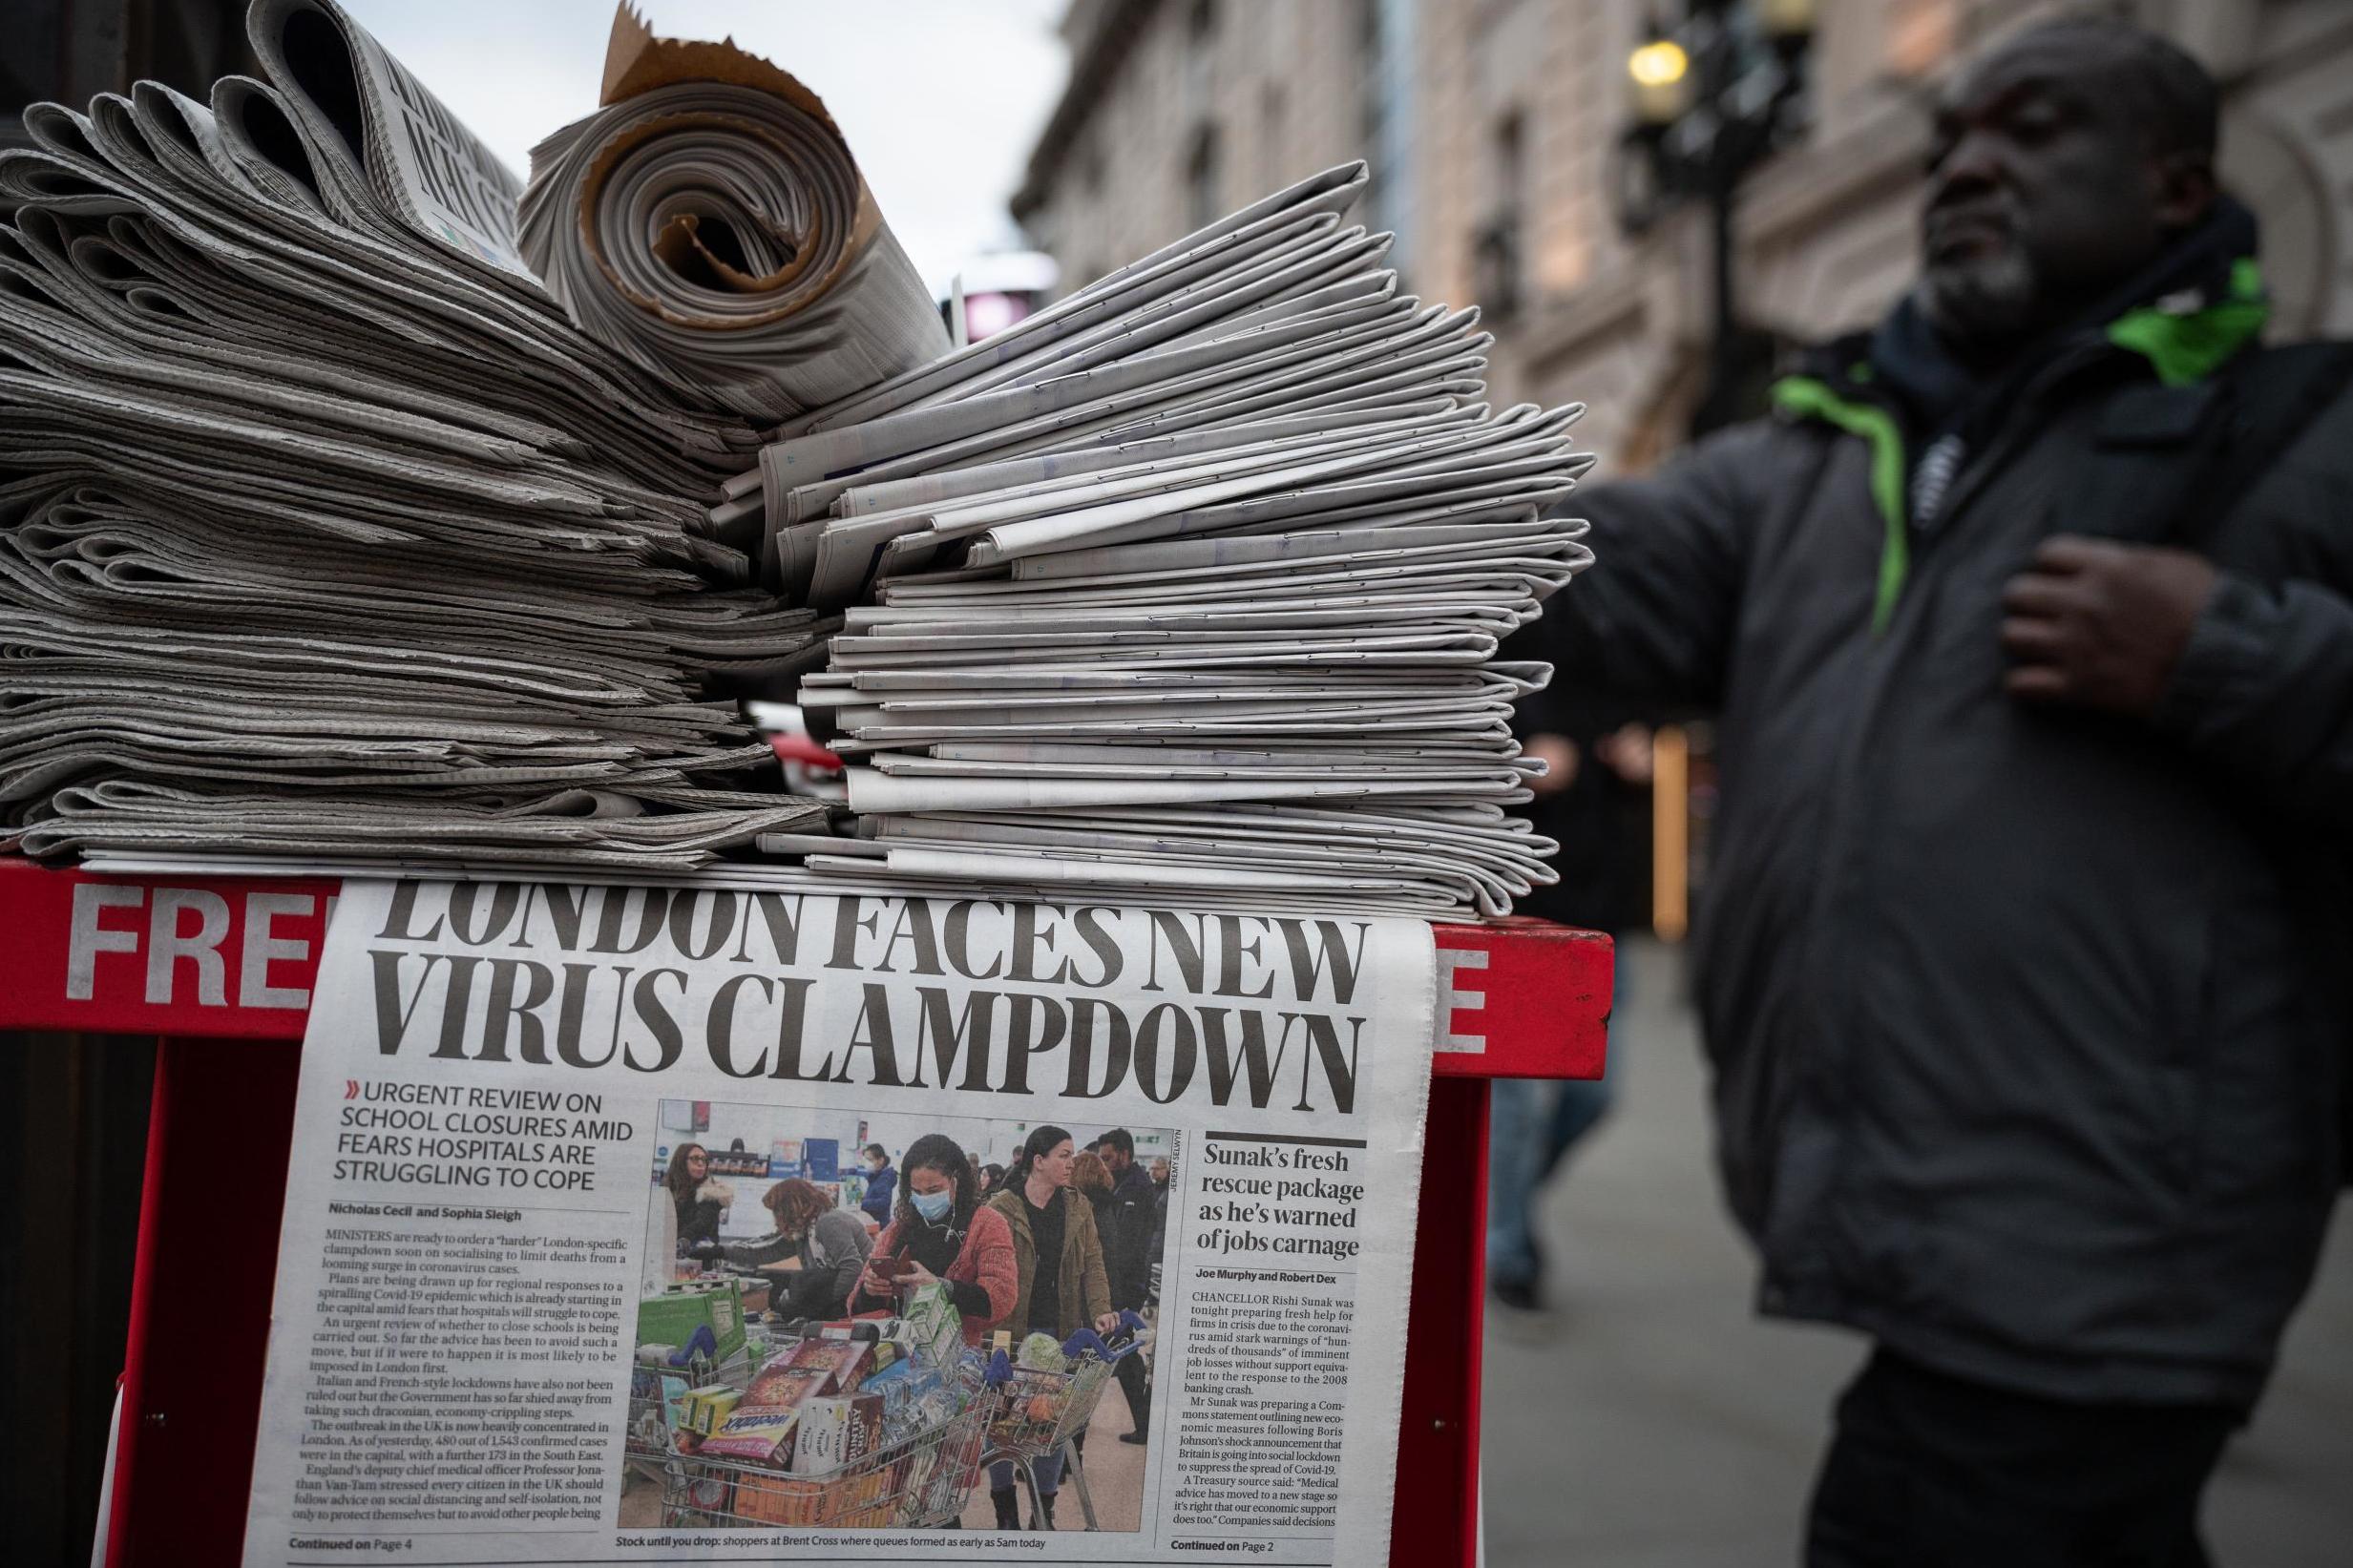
(1597, 766)
(2022, 956)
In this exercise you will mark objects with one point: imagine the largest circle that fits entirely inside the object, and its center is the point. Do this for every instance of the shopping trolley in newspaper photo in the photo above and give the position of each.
(661, 1378)
(918, 1482)
(1036, 1414)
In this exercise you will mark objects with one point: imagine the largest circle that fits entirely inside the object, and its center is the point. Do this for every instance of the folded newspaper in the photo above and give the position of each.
(1191, 584)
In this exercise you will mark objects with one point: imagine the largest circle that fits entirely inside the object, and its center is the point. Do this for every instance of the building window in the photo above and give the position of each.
(1203, 199)
(1496, 246)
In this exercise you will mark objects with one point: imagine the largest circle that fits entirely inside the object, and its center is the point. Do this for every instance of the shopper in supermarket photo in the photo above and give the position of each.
(822, 1247)
(1129, 1226)
(1059, 1261)
(2023, 962)
(1090, 1177)
(940, 1229)
(700, 1197)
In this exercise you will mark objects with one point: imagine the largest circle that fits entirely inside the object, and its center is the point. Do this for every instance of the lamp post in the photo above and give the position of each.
(1711, 98)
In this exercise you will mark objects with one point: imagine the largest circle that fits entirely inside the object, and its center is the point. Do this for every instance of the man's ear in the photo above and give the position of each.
(2185, 190)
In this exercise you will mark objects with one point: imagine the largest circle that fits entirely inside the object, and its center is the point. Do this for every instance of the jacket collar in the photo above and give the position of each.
(2185, 314)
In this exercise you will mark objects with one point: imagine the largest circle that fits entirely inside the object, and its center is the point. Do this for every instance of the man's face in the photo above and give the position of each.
(2042, 194)
(1116, 1161)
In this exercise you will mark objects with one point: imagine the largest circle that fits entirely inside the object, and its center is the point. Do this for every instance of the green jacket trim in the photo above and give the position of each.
(2182, 346)
(1807, 397)
(2189, 345)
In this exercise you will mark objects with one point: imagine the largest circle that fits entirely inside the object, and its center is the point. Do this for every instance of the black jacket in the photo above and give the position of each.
(1127, 1236)
(2027, 1024)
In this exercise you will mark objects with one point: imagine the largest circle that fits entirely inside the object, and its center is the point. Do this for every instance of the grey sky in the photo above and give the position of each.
(940, 98)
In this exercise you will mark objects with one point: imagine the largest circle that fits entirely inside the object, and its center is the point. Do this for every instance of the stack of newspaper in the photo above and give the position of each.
(1192, 583)
(338, 534)
(331, 534)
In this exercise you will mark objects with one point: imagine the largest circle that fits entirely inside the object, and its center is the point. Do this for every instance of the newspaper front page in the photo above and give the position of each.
(645, 1224)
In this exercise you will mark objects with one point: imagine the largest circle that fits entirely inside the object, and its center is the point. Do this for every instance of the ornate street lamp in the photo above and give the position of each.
(1712, 96)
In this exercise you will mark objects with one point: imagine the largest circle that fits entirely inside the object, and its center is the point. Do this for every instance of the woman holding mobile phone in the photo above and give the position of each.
(941, 1231)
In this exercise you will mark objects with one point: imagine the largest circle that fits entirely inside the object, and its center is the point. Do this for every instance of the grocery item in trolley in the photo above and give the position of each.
(703, 1411)
(1039, 1406)
(837, 1430)
(902, 1448)
(781, 1383)
(932, 1322)
(764, 1434)
(845, 1361)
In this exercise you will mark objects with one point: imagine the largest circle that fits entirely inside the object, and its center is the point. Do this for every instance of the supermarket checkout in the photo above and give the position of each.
(815, 1256)
(941, 1231)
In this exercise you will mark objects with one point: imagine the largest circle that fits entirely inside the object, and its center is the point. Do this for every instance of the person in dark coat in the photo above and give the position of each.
(1159, 1247)
(1130, 1247)
(2022, 957)
(881, 1183)
(700, 1201)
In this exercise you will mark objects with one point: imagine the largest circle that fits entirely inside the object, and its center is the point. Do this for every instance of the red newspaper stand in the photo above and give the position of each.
(221, 970)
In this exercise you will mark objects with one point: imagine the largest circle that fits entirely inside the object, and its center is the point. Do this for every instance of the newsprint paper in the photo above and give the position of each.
(581, 1176)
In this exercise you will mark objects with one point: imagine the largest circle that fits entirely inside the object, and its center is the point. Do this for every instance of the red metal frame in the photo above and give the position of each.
(1523, 998)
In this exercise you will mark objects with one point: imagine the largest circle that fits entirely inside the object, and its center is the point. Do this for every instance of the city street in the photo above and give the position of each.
(1651, 1421)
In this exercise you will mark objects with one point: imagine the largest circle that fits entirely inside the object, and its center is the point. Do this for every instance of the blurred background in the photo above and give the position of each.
(1649, 200)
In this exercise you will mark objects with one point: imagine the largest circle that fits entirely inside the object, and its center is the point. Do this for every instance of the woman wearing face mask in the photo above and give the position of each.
(881, 1181)
(941, 1231)
(1062, 1284)
(700, 1200)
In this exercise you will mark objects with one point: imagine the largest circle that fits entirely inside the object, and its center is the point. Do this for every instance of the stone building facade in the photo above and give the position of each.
(1491, 125)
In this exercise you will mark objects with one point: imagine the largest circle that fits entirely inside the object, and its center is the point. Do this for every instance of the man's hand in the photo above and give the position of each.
(2101, 624)
(1629, 753)
(1558, 754)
